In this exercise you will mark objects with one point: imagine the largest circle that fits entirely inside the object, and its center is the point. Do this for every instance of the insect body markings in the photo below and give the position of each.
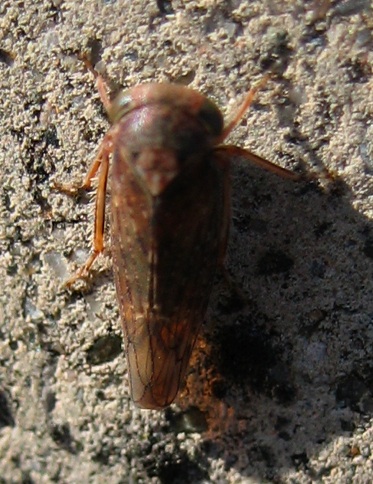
(170, 208)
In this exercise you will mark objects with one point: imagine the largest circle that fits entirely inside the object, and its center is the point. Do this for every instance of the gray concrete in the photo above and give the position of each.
(282, 382)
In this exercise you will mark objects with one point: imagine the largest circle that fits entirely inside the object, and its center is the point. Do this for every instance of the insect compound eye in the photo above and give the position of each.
(121, 105)
(211, 116)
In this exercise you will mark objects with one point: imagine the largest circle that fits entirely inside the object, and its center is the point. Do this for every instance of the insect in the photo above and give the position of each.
(170, 213)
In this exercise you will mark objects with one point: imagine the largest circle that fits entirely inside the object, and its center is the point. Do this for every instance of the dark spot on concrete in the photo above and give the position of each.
(189, 421)
(300, 460)
(356, 393)
(274, 262)
(368, 248)
(104, 349)
(7, 58)
(176, 468)
(61, 436)
(246, 353)
(6, 417)
(165, 7)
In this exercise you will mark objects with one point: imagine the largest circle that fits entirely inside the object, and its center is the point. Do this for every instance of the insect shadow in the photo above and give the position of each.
(287, 359)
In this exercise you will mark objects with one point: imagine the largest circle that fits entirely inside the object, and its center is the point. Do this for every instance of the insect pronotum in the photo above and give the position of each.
(170, 206)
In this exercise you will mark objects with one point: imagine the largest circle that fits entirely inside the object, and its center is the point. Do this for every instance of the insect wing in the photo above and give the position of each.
(165, 255)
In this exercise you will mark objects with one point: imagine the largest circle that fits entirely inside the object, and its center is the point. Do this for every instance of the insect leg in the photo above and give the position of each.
(73, 188)
(242, 109)
(102, 162)
(232, 150)
(100, 82)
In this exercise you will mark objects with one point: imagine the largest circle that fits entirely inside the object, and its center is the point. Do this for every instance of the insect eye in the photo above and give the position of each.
(211, 117)
(122, 104)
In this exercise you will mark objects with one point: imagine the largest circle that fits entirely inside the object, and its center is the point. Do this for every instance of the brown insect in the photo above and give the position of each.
(170, 205)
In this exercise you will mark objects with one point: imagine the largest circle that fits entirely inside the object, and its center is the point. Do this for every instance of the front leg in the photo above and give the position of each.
(101, 165)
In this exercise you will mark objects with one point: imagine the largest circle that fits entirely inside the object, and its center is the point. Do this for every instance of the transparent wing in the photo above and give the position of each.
(164, 268)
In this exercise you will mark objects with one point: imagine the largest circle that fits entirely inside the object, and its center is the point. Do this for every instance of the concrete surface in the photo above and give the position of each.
(280, 387)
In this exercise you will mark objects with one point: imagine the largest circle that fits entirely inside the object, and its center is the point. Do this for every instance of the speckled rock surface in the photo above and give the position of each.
(280, 387)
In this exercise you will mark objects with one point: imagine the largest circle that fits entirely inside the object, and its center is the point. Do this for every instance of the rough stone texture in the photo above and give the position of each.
(281, 385)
